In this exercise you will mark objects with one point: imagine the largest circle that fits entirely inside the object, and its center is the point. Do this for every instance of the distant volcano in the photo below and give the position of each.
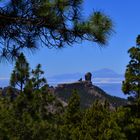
(103, 73)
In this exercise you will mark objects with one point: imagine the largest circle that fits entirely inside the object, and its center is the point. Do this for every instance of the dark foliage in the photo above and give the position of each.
(131, 85)
(20, 74)
(37, 79)
(55, 23)
(39, 115)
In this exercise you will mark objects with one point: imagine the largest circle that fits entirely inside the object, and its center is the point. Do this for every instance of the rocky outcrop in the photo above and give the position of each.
(88, 93)
(88, 77)
(74, 85)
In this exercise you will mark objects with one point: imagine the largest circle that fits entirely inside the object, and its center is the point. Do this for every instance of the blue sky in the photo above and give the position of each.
(89, 56)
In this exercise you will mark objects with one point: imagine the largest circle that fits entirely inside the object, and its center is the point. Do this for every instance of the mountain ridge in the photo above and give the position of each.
(88, 94)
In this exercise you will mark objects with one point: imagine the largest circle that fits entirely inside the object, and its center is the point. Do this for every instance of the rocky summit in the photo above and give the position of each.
(88, 93)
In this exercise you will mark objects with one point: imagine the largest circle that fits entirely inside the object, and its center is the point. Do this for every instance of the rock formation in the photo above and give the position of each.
(88, 77)
(88, 93)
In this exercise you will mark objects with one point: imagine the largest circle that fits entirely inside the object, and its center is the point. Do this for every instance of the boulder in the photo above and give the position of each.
(88, 77)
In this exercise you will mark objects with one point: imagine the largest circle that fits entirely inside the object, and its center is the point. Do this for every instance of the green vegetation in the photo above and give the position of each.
(131, 85)
(37, 78)
(39, 115)
(23, 23)
(20, 74)
(36, 114)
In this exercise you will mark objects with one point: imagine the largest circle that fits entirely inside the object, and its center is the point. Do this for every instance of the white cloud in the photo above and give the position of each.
(94, 80)
(107, 80)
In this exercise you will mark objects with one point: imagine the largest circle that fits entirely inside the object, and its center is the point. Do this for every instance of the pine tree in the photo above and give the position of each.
(131, 84)
(71, 118)
(72, 115)
(24, 22)
(20, 74)
(38, 80)
(98, 123)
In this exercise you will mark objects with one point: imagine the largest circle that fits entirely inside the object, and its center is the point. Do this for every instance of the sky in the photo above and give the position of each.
(88, 56)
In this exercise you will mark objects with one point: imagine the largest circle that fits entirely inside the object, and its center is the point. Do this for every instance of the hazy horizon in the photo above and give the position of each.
(106, 79)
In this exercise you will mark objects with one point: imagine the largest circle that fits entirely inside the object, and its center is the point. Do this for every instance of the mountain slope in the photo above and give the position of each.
(88, 94)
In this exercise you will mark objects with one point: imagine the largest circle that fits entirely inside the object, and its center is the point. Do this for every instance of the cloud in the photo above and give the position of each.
(107, 80)
(94, 80)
